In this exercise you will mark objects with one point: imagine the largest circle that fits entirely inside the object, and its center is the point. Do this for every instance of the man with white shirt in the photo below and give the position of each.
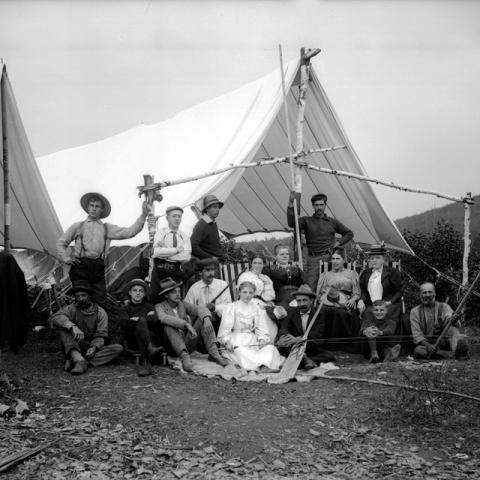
(92, 239)
(171, 249)
(380, 282)
(205, 237)
(209, 291)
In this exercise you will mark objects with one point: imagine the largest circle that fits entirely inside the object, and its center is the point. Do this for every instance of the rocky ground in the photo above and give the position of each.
(112, 424)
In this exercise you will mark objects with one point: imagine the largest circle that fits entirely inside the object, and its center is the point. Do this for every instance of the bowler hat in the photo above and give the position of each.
(210, 200)
(377, 250)
(172, 208)
(135, 282)
(304, 290)
(206, 262)
(168, 284)
(80, 286)
(84, 200)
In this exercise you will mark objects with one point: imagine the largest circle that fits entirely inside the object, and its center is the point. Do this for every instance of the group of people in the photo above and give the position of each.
(272, 309)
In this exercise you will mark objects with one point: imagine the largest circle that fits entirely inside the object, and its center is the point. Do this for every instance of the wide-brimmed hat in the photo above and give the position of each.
(168, 284)
(136, 282)
(206, 262)
(304, 290)
(210, 200)
(80, 286)
(107, 208)
(172, 208)
(377, 250)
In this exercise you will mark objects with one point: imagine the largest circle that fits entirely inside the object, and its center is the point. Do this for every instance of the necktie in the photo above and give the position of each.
(207, 294)
(175, 242)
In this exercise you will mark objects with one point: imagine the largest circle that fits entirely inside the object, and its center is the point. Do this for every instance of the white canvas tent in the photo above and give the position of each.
(34, 222)
(242, 126)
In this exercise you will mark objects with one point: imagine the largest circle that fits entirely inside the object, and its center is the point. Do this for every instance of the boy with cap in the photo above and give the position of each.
(83, 328)
(92, 239)
(171, 249)
(140, 325)
(205, 236)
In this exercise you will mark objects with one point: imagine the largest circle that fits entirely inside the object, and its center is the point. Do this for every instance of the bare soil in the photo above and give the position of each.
(112, 424)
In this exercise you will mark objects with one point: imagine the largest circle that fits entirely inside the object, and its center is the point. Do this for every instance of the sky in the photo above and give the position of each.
(403, 75)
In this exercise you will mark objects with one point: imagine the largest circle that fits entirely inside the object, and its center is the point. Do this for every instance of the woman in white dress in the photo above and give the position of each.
(245, 335)
(264, 292)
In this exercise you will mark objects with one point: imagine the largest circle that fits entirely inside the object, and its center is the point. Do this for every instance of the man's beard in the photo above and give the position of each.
(83, 303)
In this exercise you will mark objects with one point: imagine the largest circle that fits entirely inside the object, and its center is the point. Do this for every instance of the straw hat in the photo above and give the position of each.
(136, 282)
(377, 250)
(106, 204)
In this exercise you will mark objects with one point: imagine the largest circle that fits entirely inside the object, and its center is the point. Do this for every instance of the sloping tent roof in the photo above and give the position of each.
(244, 125)
(34, 222)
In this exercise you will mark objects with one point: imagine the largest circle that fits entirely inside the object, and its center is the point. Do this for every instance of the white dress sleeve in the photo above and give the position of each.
(227, 323)
(261, 329)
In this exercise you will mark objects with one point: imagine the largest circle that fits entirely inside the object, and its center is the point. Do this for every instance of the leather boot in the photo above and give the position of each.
(153, 351)
(145, 369)
(186, 361)
(308, 363)
(214, 356)
(79, 367)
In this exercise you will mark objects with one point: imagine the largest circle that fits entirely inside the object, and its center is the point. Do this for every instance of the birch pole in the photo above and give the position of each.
(6, 187)
(151, 220)
(295, 176)
(466, 244)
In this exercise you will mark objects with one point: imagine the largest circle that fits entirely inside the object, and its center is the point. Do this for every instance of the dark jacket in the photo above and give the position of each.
(205, 240)
(292, 324)
(392, 284)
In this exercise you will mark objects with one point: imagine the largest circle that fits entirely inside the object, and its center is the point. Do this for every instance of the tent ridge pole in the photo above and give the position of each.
(466, 244)
(6, 192)
(295, 177)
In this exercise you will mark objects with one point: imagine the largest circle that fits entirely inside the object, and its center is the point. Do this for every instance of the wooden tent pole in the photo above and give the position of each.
(6, 189)
(295, 177)
(466, 245)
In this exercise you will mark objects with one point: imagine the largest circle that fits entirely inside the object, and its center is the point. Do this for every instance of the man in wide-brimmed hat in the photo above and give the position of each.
(209, 291)
(320, 234)
(380, 282)
(186, 325)
(141, 328)
(295, 324)
(91, 239)
(83, 328)
(171, 250)
(205, 237)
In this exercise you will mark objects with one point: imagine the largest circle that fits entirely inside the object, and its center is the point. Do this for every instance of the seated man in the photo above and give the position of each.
(209, 291)
(379, 331)
(186, 325)
(286, 277)
(428, 321)
(140, 325)
(294, 326)
(83, 327)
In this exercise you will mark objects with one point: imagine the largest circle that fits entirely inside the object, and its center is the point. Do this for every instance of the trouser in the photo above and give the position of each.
(450, 340)
(313, 351)
(312, 269)
(181, 340)
(93, 271)
(102, 356)
(161, 270)
(140, 334)
(381, 345)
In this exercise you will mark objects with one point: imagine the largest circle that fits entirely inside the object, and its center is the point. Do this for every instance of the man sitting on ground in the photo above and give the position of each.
(428, 321)
(141, 327)
(295, 325)
(379, 331)
(83, 328)
(286, 277)
(186, 325)
(209, 291)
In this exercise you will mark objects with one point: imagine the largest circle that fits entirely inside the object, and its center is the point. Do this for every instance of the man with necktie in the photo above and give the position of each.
(294, 326)
(209, 291)
(171, 249)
